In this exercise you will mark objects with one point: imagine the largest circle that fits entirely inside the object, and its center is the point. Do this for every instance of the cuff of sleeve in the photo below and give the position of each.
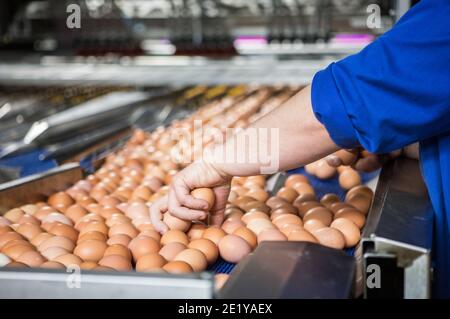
(330, 110)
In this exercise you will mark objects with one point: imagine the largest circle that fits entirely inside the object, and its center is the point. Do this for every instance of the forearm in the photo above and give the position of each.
(288, 137)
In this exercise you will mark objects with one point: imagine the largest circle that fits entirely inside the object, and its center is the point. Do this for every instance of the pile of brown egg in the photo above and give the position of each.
(102, 222)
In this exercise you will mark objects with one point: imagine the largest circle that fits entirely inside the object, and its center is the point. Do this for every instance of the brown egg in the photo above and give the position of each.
(60, 200)
(44, 212)
(117, 219)
(328, 199)
(347, 158)
(143, 245)
(259, 225)
(136, 209)
(248, 217)
(29, 230)
(88, 265)
(229, 226)
(177, 267)
(258, 194)
(322, 214)
(28, 219)
(205, 194)
(220, 280)
(196, 231)
(104, 269)
(360, 201)
(301, 235)
(68, 260)
(13, 251)
(5, 229)
(335, 207)
(52, 265)
(150, 261)
(304, 197)
(195, 258)
(353, 215)
(14, 215)
(64, 230)
(31, 258)
(4, 222)
(92, 235)
(349, 178)
(303, 188)
(120, 239)
(287, 193)
(257, 205)
(90, 250)
(330, 237)
(304, 207)
(53, 252)
(56, 218)
(118, 250)
(313, 225)
(233, 214)
(110, 201)
(29, 209)
(85, 202)
(295, 178)
(233, 248)
(257, 179)
(108, 212)
(286, 229)
(75, 212)
(207, 247)
(244, 200)
(95, 226)
(15, 264)
(275, 202)
(143, 192)
(324, 171)
(247, 235)
(239, 190)
(176, 223)
(348, 229)
(116, 262)
(287, 219)
(93, 208)
(172, 249)
(214, 234)
(174, 236)
(271, 235)
(57, 241)
(39, 239)
(9, 236)
(283, 211)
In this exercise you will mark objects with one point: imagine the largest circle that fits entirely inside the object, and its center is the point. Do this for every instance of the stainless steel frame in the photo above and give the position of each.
(398, 235)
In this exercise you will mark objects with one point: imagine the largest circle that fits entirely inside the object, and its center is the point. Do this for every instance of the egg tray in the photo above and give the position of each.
(321, 187)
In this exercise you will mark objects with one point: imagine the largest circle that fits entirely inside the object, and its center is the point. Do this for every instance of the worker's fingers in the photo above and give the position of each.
(183, 212)
(183, 194)
(217, 211)
(156, 214)
(343, 157)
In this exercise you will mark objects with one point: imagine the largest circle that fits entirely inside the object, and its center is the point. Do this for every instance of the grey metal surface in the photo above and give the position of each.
(54, 284)
(401, 223)
(291, 270)
(37, 187)
(166, 71)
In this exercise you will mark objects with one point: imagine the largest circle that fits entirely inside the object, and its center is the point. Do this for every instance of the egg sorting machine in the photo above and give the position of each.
(392, 260)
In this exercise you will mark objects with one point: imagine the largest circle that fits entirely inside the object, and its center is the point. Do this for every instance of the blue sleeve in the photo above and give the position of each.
(394, 92)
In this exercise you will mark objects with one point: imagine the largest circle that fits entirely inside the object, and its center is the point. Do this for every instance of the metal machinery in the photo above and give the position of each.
(138, 58)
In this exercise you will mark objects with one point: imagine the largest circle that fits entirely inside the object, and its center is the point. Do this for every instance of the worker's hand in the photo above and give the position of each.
(364, 161)
(181, 204)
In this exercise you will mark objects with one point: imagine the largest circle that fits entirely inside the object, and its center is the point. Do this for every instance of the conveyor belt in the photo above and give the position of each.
(321, 187)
